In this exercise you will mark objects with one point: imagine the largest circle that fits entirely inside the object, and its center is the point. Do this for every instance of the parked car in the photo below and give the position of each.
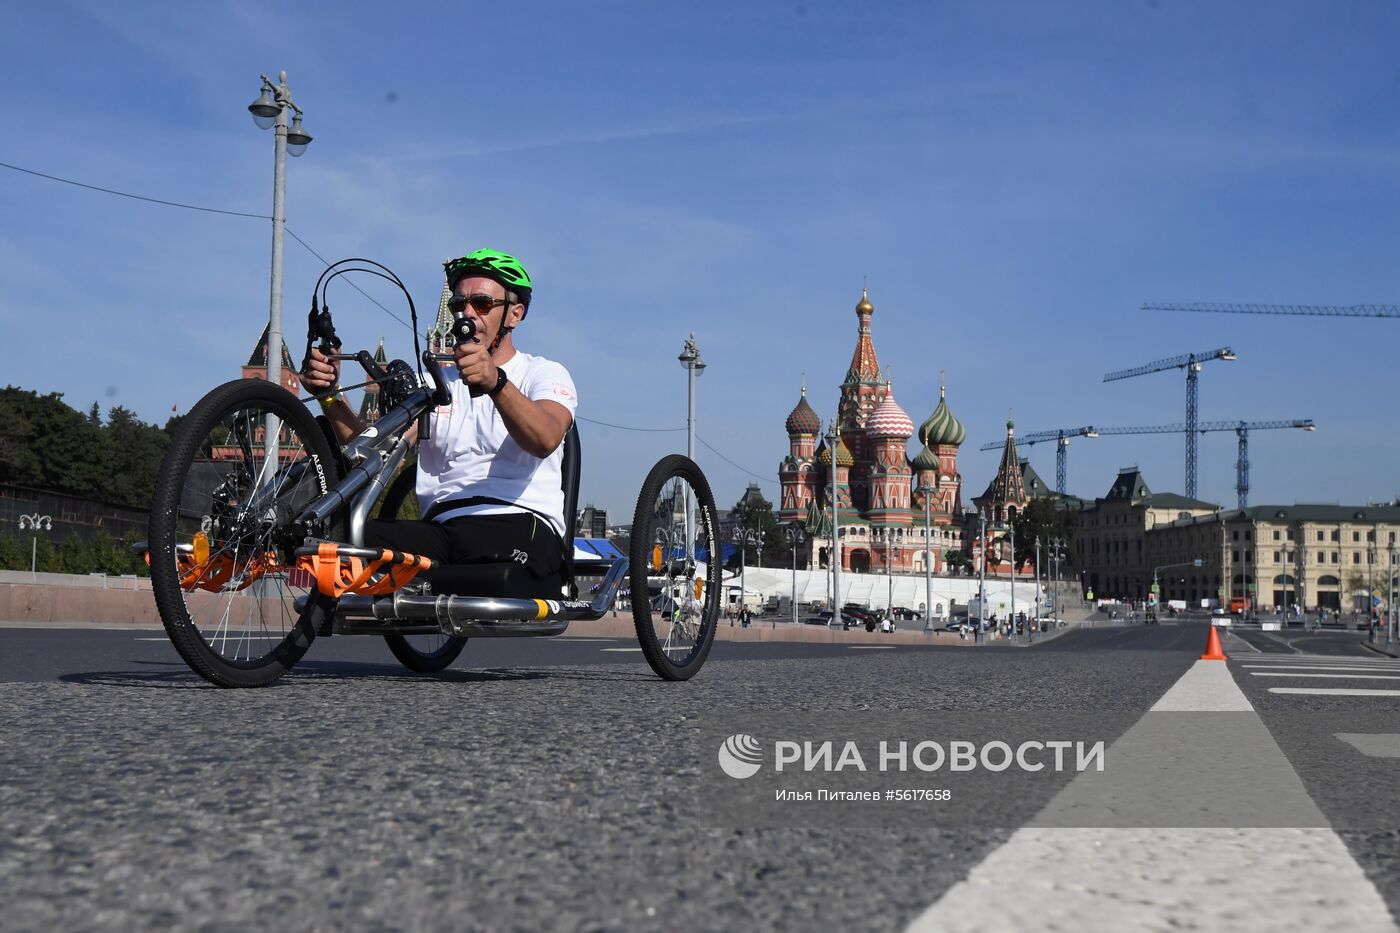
(824, 618)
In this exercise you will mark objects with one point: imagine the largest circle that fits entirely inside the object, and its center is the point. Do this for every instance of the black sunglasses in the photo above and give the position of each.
(481, 304)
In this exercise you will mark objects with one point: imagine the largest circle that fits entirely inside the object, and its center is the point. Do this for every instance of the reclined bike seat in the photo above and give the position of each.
(507, 578)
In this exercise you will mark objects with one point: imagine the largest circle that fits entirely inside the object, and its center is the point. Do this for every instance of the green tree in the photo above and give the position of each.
(134, 451)
(956, 561)
(754, 512)
(1046, 518)
(45, 443)
(14, 554)
(74, 556)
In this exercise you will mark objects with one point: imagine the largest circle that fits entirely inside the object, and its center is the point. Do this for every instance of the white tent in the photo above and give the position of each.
(874, 590)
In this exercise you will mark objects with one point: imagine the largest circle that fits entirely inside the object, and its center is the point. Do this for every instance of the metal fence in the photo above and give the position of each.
(71, 515)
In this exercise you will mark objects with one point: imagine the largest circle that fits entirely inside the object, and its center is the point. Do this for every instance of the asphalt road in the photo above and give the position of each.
(536, 785)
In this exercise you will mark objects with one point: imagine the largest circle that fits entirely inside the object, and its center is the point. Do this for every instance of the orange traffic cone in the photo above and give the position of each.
(1213, 652)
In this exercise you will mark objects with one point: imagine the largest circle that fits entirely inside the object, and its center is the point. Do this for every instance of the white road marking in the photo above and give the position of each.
(1304, 656)
(1061, 879)
(619, 649)
(1335, 692)
(1313, 666)
(1333, 676)
(871, 647)
(1322, 665)
(1374, 744)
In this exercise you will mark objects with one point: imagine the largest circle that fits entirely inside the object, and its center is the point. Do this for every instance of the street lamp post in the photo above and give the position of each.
(745, 538)
(694, 366)
(982, 573)
(927, 492)
(1390, 596)
(885, 537)
(1056, 544)
(1012, 630)
(270, 111)
(1036, 620)
(832, 439)
(794, 535)
(1371, 587)
(35, 523)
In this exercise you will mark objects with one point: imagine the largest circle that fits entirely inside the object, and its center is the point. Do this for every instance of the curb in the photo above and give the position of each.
(1392, 652)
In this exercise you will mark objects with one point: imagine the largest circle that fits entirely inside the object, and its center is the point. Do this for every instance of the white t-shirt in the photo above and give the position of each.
(470, 453)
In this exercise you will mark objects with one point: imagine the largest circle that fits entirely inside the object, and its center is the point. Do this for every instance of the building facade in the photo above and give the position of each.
(1112, 541)
(884, 499)
(1277, 556)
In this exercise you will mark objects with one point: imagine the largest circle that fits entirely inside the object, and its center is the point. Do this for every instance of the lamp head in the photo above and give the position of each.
(297, 138)
(265, 109)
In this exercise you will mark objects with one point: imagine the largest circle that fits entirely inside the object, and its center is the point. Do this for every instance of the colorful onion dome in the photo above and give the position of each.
(803, 419)
(941, 427)
(865, 307)
(843, 455)
(926, 460)
(889, 420)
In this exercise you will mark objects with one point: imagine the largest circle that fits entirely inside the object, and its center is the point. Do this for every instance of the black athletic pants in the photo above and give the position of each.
(479, 539)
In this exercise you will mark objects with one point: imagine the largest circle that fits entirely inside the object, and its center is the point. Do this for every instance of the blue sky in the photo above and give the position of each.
(1015, 179)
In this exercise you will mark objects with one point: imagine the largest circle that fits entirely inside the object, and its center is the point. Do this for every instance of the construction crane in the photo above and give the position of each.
(1061, 437)
(1191, 362)
(1241, 429)
(1208, 307)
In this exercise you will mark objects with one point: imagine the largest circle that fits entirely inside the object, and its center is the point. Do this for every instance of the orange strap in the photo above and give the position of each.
(214, 573)
(337, 575)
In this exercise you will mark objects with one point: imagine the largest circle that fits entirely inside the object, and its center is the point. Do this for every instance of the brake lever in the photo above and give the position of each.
(319, 327)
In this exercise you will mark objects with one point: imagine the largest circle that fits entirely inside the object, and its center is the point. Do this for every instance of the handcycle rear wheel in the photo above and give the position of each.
(425, 654)
(674, 546)
(221, 534)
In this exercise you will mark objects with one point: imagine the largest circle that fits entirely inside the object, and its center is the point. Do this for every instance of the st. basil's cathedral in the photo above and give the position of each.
(883, 497)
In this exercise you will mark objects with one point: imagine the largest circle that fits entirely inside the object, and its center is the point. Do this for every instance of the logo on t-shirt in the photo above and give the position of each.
(563, 391)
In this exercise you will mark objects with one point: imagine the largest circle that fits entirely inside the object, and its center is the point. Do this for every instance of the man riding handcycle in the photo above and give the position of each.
(261, 536)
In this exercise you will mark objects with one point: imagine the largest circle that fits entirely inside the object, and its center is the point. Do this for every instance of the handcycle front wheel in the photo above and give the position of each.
(221, 536)
(423, 654)
(675, 562)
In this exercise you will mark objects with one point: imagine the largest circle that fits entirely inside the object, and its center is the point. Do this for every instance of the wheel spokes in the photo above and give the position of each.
(232, 494)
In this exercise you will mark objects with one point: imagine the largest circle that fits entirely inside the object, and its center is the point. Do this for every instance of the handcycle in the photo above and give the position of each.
(256, 535)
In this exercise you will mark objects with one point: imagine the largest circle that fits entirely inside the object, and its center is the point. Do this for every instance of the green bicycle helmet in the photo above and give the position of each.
(499, 267)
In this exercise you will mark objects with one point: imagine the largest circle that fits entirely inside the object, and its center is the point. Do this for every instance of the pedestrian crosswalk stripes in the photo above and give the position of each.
(1319, 667)
(1343, 676)
(1334, 691)
(1319, 659)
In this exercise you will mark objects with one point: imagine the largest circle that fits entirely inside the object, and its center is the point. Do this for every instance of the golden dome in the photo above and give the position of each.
(865, 307)
(843, 455)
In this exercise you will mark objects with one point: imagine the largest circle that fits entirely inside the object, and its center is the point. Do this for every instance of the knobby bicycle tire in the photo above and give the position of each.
(217, 442)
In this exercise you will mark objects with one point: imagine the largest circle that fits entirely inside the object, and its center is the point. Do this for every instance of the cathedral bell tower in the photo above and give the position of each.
(796, 474)
(861, 392)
